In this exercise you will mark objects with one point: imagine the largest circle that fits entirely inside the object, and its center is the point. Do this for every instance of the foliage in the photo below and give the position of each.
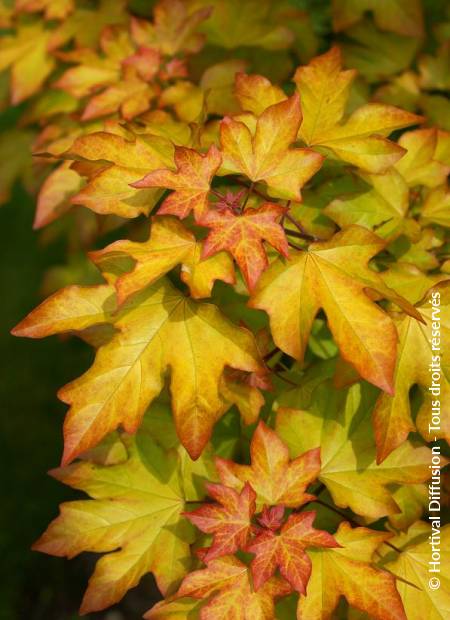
(256, 213)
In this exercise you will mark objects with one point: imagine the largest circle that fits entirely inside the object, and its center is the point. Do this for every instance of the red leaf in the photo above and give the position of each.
(287, 551)
(275, 478)
(191, 182)
(229, 520)
(242, 235)
(272, 518)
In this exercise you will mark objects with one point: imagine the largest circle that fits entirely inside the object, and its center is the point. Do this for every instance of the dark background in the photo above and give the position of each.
(34, 586)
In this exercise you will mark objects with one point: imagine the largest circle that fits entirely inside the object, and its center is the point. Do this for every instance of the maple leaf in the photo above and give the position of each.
(242, 389)
(226, 581)
(260, 149)
(146, 61)
(347, 307)
(116, 73)
(178, 609)
(421, 164)
(360, 140)
(412, 501)
(158, 328)
(95, 70)
(233, 24)
(134, 517)
(130, 96)
(341, 425)
(275, 478)
(173, 29)
(436, 207)
(272, 517)
(348, 571)
(255, 93)
(402, 90)
(162, 123)
(73, 308)
(121, 161)
(55, 194)
(383, 208)
(392, 414)
(410, 282)
(191, 181)
(27, 53)
(286, 551)
(333, 275)
(169, 245)
(242, 236)
(411, 565)
(229, 520)
(86, 25)
(187, 100)
(378, 55)
(401, 16)
(217, 84)
(421, 252)
(231, 201)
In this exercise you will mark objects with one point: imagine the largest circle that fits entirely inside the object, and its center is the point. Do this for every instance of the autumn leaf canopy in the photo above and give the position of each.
(254, 201)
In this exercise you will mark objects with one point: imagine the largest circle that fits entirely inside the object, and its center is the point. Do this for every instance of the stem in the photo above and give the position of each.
(352, 521)
(320, 489)
(216, 193)
(316, 492)
(297, 224)
(298, 235)
(254, 190)
(296, 247)
(392, 546)
(267, 357)
(196, 502)
(280, 376)
(338, 512)
(249, 191)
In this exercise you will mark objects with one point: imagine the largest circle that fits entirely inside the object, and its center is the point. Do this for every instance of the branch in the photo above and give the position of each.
(297, 224)
(269, 355)
(254, 190)
(280, 376)
(298, 235)
(217, 194)
(352, 521)
(292, 245)
(249, 191)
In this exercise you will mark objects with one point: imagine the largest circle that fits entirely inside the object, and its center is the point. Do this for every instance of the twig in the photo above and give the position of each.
(392, 546)
(255, 191)
(296, 247)
(216, 193)
(297, 224)
(249, 191)
(298, 235)
(267, 357)
(339, 512)
(280, 376)
(352, 521)
(206, 500)
(320, 489)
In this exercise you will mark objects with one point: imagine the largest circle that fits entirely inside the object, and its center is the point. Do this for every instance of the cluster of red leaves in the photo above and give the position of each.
(274, 542)
(277, 534)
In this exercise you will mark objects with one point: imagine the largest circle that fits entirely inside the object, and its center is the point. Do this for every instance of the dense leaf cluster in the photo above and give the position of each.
(254, 197)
